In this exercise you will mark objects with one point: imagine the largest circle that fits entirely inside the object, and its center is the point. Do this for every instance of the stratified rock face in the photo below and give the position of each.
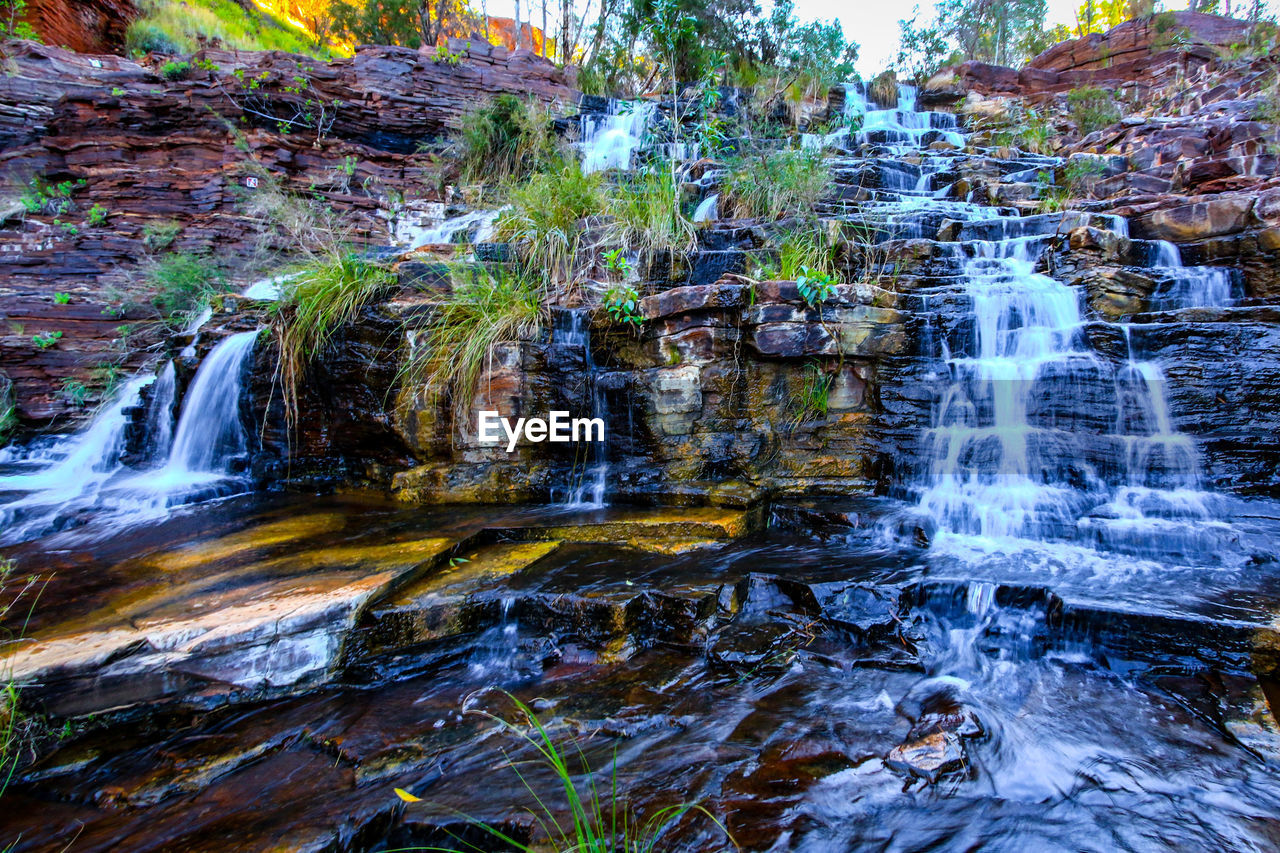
(85, 26)
(152, 152)
(1136, 39)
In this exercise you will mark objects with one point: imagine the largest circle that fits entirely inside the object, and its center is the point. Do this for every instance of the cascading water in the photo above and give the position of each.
(1189, 287)
(83, 477)
(588, 483)
(209, 433)
(708, 210)
(608, 141)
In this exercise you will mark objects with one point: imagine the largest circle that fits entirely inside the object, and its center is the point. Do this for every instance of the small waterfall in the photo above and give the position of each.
(267, 289)
(609, 141)
(1189, 287)
(209, 433)
(193, 330)
(477, 226)
(587, 486)
(160, 412)
(708, 210)
(71, 471)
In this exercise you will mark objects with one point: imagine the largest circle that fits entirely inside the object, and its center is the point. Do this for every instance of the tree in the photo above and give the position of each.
(922, 49)
(406, 24)
(996, 31)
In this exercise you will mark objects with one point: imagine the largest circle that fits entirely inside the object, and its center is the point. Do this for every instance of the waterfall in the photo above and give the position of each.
(708, 210)
(586, 489)
(82, 476)
(475, 227)
(160, 412)
(70, 472)
(609, 141)
(209, 432)
(1189, 287)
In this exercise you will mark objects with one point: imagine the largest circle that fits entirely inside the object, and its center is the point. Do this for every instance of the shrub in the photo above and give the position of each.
(645, 214)
(1092, 109)
(1076, 177)
(144, 37)
(546, 214)
(319, 299)
(97, 216)
(622, 303)
(506, 137)
(158, 236)
(44, 340)
(486, 307)
(182, 282)
(175, 70)
(53, 199)
(776, 184)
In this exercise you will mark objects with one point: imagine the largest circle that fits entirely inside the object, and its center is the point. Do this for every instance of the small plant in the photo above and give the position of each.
(61, 298)
(317, 301)
(622, 302)
(546, 215)
(12, 21)
(798, 251)
(77, 392)
(53, 199)
(175, 70)
(117, 92)
(97, 216)
(158, 236)
(68, 228)
(815, 287)
(811, 401)
(444, 56)
(616, 261)
(44, 340)
(597, 822)
(1092, 109)
(1076, 177)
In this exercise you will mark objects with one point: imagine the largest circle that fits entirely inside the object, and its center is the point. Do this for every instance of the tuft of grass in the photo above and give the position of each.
(16, 730)
(487, 307)
(319, 299)
(1076, 177)
(809, 402)
(175, 26)
(776, 184)
(599, 821)
(1092, 109)
(801, 252)
(645, 213)
(507, 137)
(546, 216)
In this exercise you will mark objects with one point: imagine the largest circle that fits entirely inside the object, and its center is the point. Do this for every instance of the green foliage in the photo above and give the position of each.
(285, 100)
(8, 421)
(97, 216)
(486, 308)
(507, 137)
(179, 26)
(1092, 109)
(323, 296)
(175, 70)
(616, 261)
(597, 822)
(645, 214)
(800, 250)
(1076, 177)
(1267, 108)
(815, 287)
(182, 282)
(61, 298)
(1027, 129)
(44, 340)
(68, 228)
(12, 25)
(1002, 32)
(406, 24)
(810, 401)
(923, 50)
(622, 302)
(776, 184)
(76, 391)
(158, 236)
(52, 199)
(546, 215)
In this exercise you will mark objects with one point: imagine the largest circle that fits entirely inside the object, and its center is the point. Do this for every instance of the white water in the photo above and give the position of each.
(708, 210)
(83, 477)
(478, 226)
(609, 141)
(1189, 287)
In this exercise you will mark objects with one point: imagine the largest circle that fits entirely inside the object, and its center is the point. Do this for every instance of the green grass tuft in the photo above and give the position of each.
(170, 26)
(776, 184)
(507, 137)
